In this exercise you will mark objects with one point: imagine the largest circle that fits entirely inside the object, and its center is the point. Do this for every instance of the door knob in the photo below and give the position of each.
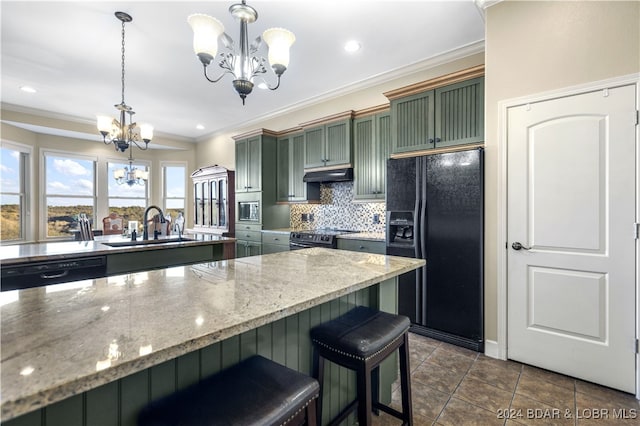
(518, 246)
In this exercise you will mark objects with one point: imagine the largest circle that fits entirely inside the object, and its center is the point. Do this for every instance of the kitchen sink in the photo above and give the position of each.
(146, 242)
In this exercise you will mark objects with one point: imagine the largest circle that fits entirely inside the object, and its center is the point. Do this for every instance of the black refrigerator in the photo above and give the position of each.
(435, 207)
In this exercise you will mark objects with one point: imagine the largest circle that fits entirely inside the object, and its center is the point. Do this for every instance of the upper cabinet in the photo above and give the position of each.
(438, 113)
(327, 142)
(249, 164)
(371, 143)
(214, 200)
(290, 171)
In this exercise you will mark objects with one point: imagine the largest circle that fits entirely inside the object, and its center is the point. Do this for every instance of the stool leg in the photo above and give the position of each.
(318, 374)
(405, 381)
(364, 395)
(312, 415)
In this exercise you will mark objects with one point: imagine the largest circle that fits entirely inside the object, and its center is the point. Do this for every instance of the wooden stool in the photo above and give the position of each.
(256, 391)
(360, 340)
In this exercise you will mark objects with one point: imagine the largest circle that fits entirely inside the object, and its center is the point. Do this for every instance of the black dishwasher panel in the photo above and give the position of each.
(38, 274)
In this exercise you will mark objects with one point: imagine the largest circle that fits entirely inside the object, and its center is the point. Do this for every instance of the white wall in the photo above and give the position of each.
(536, 46)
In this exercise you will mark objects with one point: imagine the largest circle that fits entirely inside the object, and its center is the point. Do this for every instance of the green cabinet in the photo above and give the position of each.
(290, 171)
(442, 117)
(275, 241)
(372, 143)
(249, 164)
(328, 144)
(248, 239)
(256, 201)
(367, 246)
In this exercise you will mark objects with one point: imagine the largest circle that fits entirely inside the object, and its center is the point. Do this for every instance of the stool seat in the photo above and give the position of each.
(256, 391)
(361, 340)
(362, 332)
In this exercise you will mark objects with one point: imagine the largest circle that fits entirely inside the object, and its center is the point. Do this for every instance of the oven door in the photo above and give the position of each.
(299, 246)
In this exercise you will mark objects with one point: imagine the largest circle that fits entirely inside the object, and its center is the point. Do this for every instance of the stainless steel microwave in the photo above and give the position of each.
(249, 210)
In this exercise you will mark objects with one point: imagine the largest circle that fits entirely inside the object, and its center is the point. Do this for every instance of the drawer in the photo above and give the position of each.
(368, 246)
(275, 238)
(256, 236)
(243, 226)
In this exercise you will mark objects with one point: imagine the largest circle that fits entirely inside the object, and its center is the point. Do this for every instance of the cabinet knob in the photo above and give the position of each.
(276, 239)
(438, 140)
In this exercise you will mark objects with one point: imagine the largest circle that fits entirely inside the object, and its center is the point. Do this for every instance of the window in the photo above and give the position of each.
(69, 192)
(13, 181)
(129, 201)
(174, 190)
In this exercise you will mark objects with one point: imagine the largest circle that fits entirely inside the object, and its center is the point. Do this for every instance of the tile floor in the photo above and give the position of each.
(457, 386)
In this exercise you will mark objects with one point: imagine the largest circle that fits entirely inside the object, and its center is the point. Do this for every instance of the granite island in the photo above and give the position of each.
(104, 256)
(95, 352)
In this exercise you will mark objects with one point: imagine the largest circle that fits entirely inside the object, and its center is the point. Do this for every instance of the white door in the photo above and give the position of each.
(571, 205)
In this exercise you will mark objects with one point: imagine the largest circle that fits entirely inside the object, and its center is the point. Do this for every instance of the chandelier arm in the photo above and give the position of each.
(146, 145)
(213, 80)
(276, 86)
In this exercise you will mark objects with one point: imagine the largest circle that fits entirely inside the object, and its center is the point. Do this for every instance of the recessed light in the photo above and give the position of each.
(352, 46)
(28, 89)
(200, 127)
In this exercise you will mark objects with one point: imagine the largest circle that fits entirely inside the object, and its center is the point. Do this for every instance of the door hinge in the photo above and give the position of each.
(637, 117)
(637, 346)
(636, 230)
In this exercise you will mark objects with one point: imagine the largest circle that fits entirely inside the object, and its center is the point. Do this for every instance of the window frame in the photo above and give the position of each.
(163, 180)
(26, 193)
(43, 184)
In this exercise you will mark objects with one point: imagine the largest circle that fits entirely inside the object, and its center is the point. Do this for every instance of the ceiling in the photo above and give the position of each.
(70, 53)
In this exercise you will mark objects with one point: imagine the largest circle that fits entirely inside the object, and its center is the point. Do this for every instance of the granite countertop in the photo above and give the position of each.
(36, 252)
(373, 236)
(64, 339)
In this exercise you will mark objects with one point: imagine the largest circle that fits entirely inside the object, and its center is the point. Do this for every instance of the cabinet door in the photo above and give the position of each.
(297, 187)
(338, 143)
(412, 121)
(242, 154)
(365, 158)
(223, 204)
(199, 203)
(206, 204)
(383, 135)
(459, 113)
(254, 164)
(215, 206)
(282, 169)
(314, 147)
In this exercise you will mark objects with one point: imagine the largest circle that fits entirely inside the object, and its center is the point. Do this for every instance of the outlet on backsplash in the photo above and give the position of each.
(376, 218)
(304, 217)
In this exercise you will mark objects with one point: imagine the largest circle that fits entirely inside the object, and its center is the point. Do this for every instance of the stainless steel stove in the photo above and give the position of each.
(315, 238)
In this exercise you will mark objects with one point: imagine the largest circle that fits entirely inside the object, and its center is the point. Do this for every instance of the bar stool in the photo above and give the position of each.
(254, 392)
(360, 340)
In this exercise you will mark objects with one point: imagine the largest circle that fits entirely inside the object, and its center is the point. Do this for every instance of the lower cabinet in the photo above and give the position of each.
(274, 241)
(248, 248)
(248, 239)
(367, 246)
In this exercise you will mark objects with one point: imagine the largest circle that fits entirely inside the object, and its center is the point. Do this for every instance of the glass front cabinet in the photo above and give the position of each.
(214, 202)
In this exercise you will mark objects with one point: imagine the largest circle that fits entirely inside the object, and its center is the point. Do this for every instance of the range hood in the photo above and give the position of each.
(336, 175)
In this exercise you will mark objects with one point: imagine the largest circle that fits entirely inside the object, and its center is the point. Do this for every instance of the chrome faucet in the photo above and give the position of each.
(145, 228)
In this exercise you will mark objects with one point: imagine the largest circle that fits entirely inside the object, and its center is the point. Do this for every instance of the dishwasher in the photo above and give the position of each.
(37, 274)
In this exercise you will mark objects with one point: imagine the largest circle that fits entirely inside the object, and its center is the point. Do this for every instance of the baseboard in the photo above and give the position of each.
(491, 349)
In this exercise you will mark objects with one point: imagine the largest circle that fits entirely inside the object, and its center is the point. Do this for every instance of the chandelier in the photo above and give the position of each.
(243, 65)
(119, 133)
(130, 175)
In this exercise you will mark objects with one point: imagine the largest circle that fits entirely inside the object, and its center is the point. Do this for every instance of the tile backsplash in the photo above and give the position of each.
(337, 209)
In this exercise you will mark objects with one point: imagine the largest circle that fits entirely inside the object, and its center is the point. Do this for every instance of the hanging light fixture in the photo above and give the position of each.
(130, 175)
(243, 65)
(121, 134)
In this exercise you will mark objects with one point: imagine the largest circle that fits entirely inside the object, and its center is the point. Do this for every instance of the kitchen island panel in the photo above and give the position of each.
(285, 341)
